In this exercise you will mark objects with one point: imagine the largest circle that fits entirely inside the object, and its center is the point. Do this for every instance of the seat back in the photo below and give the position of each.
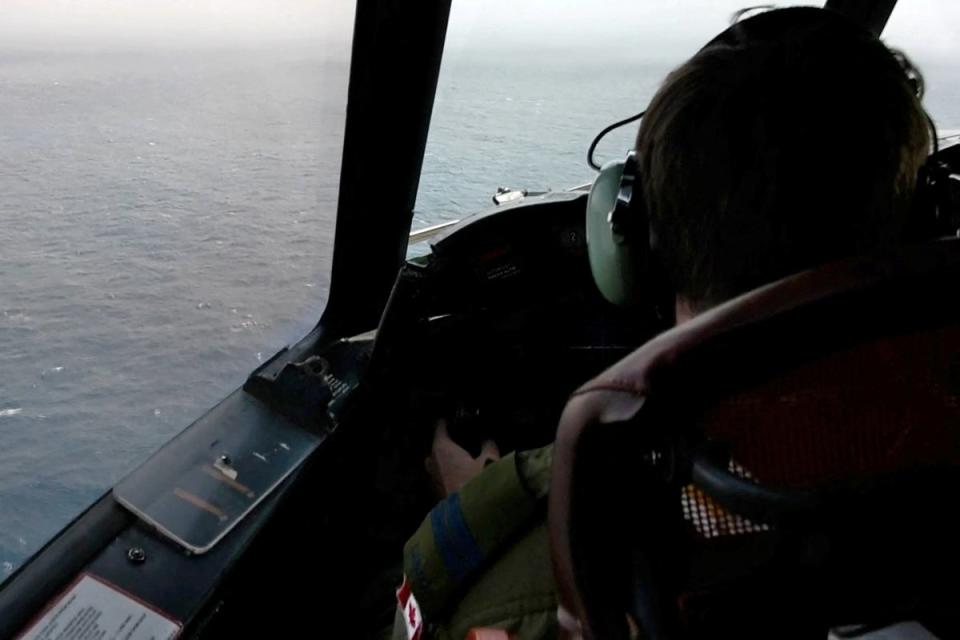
(778, 466)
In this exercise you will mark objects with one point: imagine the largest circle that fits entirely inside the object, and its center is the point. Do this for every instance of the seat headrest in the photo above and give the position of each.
(745, 340)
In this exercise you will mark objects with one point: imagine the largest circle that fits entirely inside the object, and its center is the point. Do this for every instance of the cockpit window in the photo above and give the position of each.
(525, 86)
(167, 199)
(928, 31)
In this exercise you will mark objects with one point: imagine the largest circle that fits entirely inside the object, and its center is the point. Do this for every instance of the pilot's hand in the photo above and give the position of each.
(450, 465)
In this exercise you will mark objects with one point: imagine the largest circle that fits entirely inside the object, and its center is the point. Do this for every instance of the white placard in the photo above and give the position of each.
(94, 610)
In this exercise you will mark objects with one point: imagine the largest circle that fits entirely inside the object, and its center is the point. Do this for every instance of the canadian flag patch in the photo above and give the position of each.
(410, 611)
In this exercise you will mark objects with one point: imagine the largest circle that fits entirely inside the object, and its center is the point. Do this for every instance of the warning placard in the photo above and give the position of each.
(94, 610)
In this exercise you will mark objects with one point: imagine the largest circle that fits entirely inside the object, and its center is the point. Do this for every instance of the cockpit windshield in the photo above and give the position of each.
(525, 87)
(929, 33)
(167, 200)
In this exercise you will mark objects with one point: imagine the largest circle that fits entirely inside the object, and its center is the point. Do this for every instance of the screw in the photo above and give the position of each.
(136, 555)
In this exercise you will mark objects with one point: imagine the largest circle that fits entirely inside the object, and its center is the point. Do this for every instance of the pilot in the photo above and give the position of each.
(792, 139)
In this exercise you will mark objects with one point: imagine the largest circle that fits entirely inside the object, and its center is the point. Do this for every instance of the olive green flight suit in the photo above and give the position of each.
(481, 558)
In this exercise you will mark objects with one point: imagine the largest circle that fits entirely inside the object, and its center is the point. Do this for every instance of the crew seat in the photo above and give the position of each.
(783, 465)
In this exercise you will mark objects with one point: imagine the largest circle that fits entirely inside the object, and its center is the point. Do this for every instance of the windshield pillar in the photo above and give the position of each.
(397, 48)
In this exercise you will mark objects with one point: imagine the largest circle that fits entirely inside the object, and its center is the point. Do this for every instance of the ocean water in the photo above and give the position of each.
(166, 223)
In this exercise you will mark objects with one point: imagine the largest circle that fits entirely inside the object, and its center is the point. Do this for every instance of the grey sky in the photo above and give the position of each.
(191, 22)
(926, 28)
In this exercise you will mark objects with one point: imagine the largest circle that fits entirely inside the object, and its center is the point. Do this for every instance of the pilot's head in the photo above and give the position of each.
(793, 138)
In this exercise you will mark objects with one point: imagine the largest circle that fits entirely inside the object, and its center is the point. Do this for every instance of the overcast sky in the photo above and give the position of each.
(924, 27)
(127, 23)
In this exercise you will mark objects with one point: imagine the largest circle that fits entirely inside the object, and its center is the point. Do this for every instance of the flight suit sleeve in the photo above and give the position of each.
(462, 533)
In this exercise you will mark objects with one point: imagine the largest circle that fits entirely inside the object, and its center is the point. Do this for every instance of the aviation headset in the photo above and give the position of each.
(619, 243)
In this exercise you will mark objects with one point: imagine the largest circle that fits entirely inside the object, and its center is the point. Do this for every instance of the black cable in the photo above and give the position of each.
(934, 135)
(596, 141)
(746, 11)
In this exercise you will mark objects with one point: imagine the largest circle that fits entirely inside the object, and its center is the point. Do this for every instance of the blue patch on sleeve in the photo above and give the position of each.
(459, 550)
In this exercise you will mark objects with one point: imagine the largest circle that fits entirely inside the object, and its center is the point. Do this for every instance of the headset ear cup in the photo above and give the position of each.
(933, 215)
(622, 259)
(612, 253)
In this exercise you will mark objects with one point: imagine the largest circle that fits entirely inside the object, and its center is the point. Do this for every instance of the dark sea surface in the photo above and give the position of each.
(166, 224)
